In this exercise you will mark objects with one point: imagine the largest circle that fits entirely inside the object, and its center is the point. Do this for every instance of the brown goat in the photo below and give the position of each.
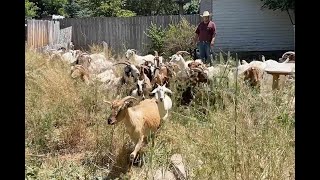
(253, 76)
(198, 75)
(194, 64)
(84, 59)
(140, 120)
(82, 72)
(162, 76)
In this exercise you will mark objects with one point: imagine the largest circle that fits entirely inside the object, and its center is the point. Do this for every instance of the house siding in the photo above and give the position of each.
(243, 26)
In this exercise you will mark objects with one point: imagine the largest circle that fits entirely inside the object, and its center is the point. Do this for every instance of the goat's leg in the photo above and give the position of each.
(137, 148)
(165, 116)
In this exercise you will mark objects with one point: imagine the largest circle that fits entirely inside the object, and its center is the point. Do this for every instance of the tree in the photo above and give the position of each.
(114, 8)
(49, 7)
(106, 8)
(192, 7)
(72, 9)
(30, 9)
(152, 7)
(282, 5)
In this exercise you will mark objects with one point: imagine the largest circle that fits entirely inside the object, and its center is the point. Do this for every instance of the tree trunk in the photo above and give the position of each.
(181, 9)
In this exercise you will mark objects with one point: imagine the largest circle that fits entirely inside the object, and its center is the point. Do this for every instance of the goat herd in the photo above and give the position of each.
(146, 81)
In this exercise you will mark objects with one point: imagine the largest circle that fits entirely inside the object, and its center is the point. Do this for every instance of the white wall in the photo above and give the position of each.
(243, 26)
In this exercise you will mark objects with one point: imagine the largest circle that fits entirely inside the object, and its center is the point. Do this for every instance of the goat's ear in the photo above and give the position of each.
(167, 90)
(154, 91)
(244, 62)
(127, 104)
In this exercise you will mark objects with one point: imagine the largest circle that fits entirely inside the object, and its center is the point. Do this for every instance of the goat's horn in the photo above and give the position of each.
(108, 102)
(144, 66)
(125, 63)
(129, 98)
(180, 52)
(156, 53)
(197, 69)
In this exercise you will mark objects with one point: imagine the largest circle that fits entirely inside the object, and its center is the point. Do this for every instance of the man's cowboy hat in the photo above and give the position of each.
(205, 13)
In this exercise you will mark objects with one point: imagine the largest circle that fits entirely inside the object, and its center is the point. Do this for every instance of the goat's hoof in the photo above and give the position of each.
(132, 156)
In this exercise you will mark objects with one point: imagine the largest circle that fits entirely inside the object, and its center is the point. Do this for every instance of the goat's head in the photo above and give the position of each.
(130, 53)
(198, 75)
(177, 57)
(129, 69)
(118, 107)
(161, 79)
(194, 64)
(159, 91)
(141, 86)
(78, 71)
(251, 75)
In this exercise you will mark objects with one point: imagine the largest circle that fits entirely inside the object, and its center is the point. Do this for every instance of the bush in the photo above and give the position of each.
(156, 35)
(179, 37)
(176, 37)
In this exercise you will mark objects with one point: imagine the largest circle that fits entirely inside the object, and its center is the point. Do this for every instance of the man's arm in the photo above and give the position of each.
(213, 35)
(195, 39)
(196, 36)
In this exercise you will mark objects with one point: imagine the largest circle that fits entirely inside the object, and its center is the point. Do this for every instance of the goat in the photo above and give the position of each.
(177, 58)
(187, 95)
(140, 120)
(163, 75)
(80, 71)
(83, 59)
(99, 64)
(253, 76)
(71, 56)
(286, 55)
(158, 60)
(198, 75)
(143, 85)
(136, 59)
(149, 69)
(195, 64)
(164, 101)
(130, 70)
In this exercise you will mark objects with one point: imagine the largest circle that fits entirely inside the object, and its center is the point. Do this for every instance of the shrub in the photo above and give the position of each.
(179, 37)
(176, 37)
(156, 35)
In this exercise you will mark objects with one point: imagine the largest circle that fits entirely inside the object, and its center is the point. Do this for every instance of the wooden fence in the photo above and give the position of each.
(41, 33)
(119, 33)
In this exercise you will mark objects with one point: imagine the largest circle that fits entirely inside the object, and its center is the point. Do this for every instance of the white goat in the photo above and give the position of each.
(99, 64)
(179, 60)
(71, 56)
(136, 59)
(164, 101)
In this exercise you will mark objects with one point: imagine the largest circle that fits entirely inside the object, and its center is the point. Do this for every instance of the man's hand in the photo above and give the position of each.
(211, 44)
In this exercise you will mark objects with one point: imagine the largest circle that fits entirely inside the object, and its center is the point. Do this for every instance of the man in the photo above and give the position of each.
(205, 37)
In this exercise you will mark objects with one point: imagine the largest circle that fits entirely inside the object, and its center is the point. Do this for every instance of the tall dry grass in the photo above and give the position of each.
(67, 136)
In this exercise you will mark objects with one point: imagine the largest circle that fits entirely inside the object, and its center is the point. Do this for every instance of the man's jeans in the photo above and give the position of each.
(204, 50)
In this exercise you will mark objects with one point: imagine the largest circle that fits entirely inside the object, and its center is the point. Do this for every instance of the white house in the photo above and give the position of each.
(243, 26)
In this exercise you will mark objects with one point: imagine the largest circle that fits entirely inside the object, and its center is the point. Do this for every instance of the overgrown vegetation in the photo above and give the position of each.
(176, 37)
(156, 35)
(67, 136)
(106, 8)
